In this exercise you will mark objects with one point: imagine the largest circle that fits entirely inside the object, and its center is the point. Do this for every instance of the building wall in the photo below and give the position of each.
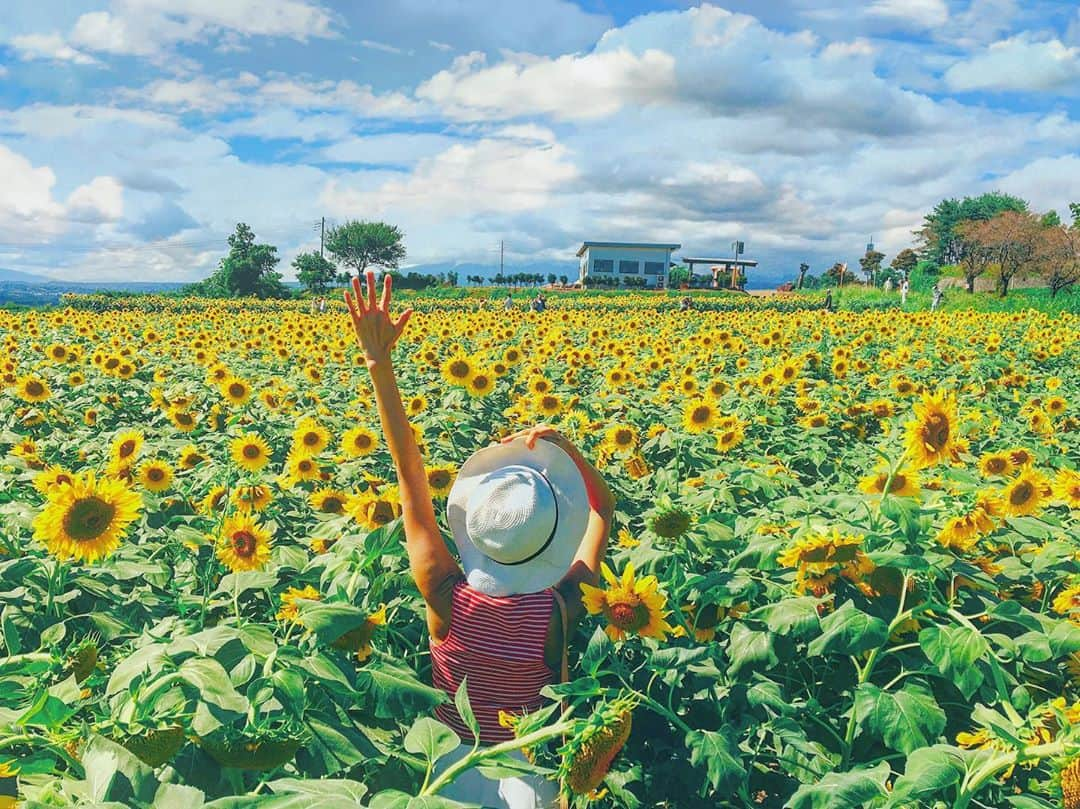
(617, 254)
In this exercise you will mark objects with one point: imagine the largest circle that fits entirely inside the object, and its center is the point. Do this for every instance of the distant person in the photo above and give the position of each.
(888, 286)
(904, 288)
(935, 298)
(508, 304)
(538, 304)
(686, 303)
(828, 301)
(314, 305)
(322, 305)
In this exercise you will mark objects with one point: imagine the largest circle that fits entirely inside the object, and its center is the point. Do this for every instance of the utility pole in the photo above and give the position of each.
(322, 235)
(501, 250)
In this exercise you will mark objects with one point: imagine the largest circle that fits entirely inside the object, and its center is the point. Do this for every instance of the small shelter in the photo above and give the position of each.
(618, 261)
(720, 266)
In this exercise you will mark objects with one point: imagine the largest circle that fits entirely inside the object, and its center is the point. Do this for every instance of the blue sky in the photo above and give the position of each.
(134, 134)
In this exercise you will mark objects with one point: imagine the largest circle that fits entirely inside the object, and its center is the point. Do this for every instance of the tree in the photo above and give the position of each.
(315, 272)
(871, 265)
(1050, 219)
(938, 236)
(1074, 211)
(804, 268)
(905, 261)
(248, 269)
(1057, 256)
(976, 253)
(835, 275)
(1011, 238)
(564, 280)
(366, 244)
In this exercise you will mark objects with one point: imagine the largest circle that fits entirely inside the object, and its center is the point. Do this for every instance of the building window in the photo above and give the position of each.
(628, 267)
(654, 268)
(603, 265)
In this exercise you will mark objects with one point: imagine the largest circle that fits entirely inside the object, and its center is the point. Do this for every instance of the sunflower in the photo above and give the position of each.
(190, 457)
(636, 467)
(699, 415)
(358, 640)
(251, 498)
(440, 479)
(155, 475)
(182, 419)
(126, 447)
(358, 442)
(547, 404)
(457, 370)
(416, 405)
(620, 438)
(249, 451)
(631, 606)
(1067, 488)
(1026, 494)
(931, 435)
(52, 477)
(328, 501)
(995, 464)
(33, 388)
(814, 421)
(301, 467)
(480, 384)
(214, 501)
(85, 520)
(1067, 601)
(372, 509)
(586, 756)
(905, 483)
(243, 544)
(310, 438)
(290, 611)
(235, 390)
(963, 532)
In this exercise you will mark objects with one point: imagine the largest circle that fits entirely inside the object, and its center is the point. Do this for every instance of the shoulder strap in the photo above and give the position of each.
(561, 602)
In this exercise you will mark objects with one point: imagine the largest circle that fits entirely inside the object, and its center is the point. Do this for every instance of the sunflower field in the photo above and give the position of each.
(844, 571)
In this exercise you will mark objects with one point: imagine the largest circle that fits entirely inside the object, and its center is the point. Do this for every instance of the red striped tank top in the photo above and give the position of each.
(498, 643)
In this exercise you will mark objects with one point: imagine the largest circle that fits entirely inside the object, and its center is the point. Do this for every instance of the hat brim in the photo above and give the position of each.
(484, 573)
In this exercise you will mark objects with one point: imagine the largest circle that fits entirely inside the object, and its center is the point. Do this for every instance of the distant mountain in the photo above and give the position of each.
(23, 277)
(464, 268)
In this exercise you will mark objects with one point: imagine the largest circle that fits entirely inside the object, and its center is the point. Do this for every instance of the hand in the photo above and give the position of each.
(376, 333)
(545, 431)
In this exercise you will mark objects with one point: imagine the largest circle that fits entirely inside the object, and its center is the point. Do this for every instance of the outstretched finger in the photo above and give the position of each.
(386, 284)
(371, 303)
(399, 324)
(358, 297)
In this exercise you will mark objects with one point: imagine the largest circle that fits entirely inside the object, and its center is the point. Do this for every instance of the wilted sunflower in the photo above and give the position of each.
(931, 435)
(1026, 494)
(249, 451)
(289, 610)
(358, 442)
(1067, 601)
(586, 756)
(373, 510)
(33, 388)
(155, 475)
(328, 501)
(243, 544)
(215, 501)
(631, 606)
(251, 498)
(85, 520)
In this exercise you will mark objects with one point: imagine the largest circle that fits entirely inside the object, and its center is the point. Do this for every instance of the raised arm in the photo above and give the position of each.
(586, 565)
(433, 567)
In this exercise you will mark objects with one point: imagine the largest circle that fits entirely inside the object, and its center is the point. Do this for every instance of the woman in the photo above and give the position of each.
(530, 520)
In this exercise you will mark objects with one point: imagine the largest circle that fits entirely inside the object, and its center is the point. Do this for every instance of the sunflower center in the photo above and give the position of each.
(183, 418)
(251, 451)
(127, 448)
(88, 518)
(333, 505)
(624, 438)
(34, 388)
(996, 465)
(362, 441)
(1021, 493)
(459, 369)
(155, 474)
(243, 543)
(629, 615)
(311, 439)
(936, 432)
(439, 479)
(236, 389)
(382, 513)
(898, 483)
(700, 415)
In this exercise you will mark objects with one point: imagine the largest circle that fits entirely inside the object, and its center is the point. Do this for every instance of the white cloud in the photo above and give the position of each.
(1048, 182)
(199, 93)
(371, 44)
(1020, 64)
(64, 121)
(345, 96)
(842, 50)
(100, 200)
(916, 13)
(440, 46)
(48, 46)
(568, 87)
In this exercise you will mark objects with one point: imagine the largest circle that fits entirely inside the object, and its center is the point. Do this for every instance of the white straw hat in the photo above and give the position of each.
(518, 516)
